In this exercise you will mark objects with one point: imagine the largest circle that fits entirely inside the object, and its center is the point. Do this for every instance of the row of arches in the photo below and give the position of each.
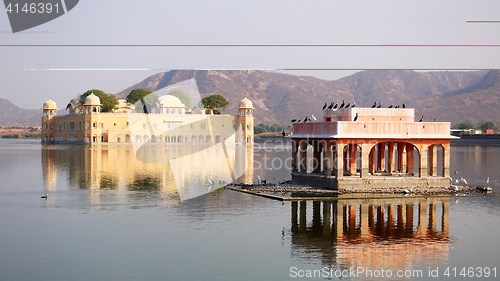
(171, 139)
(386, 158)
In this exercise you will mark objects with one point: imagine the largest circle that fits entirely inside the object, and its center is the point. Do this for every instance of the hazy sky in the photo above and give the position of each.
(30, 74)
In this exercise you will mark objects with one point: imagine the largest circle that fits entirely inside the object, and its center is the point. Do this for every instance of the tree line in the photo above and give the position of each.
(488, 125)
(263, 128)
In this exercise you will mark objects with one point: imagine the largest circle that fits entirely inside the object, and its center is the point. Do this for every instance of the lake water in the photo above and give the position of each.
(109, 216)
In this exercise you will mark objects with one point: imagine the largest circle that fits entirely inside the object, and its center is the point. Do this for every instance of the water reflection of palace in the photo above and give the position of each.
(177, 171)
(374, 233)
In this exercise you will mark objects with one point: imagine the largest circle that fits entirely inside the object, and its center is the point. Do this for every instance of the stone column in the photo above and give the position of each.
(316, 158)
(390, 219)
(390, 157)
(338, 227)
(409, 218)
(445, 217)
(327, 160)
(423, 161)
(432, 218)
(365, 155)
(446, 160)
(339, 160)
(381, 157)
(351, 219)
(433, 160)
(401, 224)
(409, 158)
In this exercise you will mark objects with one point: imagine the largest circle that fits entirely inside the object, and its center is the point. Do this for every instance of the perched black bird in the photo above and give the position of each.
(342, 104)
(331, 105)
(421, 119)
(45, 196)
(356, 117)
(397, 106)
(353, 105)
(390, 106)
(335, 106)
(374, 105)
(404, 106)
(294, 120)
(347, 105)
(283, 134)
(379, 105)
(324, 106)
(305, 120)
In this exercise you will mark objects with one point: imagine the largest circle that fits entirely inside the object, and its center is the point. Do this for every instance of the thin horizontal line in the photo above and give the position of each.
(443, 69)
(483, 21)
(269, 45)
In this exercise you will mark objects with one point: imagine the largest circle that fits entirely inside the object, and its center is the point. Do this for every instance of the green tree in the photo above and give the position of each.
(276, 128)
(214, 102)
(183, 97)
(487, 125)
(108, 101)
(145, 96)
(258, 130)
(466, 125)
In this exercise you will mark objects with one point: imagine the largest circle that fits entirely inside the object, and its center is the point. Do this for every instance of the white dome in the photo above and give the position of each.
(245, 103)
(92, 100)
(50, 104)
(169, 101)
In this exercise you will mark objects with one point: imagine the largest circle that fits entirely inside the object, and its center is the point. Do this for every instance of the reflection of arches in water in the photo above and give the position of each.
(374, 233)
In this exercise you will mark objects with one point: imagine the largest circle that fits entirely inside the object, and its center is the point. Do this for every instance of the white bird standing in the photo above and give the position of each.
(456, 181)
(258, 179)
(488, 180)
(314, 118)
(210, 182)
(463, 180)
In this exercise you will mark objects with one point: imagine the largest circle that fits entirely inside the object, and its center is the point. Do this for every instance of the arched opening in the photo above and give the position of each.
(352, 160)
(138, 138)
(146, 138)
(167, 138)
(153, 138)
(208, 139)
(180, 139)
(435, 163)
(394, 158)
(127, 138)
(193, 138)
(174, 139)
(217, 139)
(201, 139)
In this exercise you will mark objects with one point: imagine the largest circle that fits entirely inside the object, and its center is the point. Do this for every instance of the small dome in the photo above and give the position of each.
(92, 100)
(245, 103)
(170, 101)
(50, 104)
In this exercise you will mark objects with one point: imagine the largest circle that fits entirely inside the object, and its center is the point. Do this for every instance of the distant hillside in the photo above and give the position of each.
(477, 103)
(31, 120)
(9, 111)
(278, 97)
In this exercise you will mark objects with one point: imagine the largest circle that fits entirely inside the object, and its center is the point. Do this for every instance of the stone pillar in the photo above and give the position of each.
(446, 160)
(404, 161)
(351, 219)
(390, 157)
(327, 160)
(365, 155)
(433, 160)
(423, 161)
(390, 219)
(380, 228)
(401, 224)
(409, 218)
(409, 158)
(339, 160)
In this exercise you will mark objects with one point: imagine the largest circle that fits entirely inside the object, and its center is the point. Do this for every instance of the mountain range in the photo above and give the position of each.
(454, 96)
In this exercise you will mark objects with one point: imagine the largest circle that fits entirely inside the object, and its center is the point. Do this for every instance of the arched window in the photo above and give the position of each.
(167, 138)
(193, 138)
(153, 138)
(200, 139)
(127, 138)
(208, 139)
(217, 139)
(174, 139)
(138, 138)
(146, 138)
(179, 139)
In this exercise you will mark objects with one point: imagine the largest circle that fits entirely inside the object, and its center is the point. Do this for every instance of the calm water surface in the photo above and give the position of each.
(111, 217)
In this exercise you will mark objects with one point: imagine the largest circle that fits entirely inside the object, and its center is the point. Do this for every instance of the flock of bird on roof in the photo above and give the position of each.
(336, 106)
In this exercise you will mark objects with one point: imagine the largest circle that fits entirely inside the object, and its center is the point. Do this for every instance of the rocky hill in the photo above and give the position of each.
(11, 112)
(278, 98)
